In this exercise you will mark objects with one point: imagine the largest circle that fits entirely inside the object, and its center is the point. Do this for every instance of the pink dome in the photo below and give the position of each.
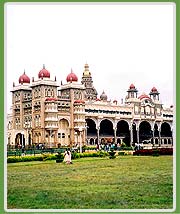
(154, 89)
(44, 73)
(71, 77)
(103, 96)
(132, 86)
(24, 79)
(144, 96)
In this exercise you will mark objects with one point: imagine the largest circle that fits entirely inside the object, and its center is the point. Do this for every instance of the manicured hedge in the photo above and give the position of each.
(76, 155)
(154, 152)
(24, 159)
(45, 157)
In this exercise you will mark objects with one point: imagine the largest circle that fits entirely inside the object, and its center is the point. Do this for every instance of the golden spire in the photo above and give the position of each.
(86, 70)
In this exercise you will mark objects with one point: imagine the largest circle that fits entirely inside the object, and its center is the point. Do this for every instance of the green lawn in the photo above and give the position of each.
(127, 182)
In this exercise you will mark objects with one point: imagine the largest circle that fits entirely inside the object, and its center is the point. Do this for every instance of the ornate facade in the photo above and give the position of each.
(51, 115)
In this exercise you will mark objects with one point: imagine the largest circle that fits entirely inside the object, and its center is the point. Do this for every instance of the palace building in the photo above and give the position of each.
(51, 114)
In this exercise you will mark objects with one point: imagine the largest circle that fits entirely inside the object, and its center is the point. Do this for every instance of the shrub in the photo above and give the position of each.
(24, 159)
(75, 155)
(112, 154)
(154, 152)
(59, 157)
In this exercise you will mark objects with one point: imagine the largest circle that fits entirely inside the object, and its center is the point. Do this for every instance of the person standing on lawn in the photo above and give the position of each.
(67, 157)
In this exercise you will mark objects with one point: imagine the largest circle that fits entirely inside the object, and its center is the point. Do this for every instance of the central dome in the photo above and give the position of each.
(143, 95)
(44, 73)
(71, 77)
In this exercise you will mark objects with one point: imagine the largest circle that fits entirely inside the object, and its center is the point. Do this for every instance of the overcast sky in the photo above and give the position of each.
(122, 43)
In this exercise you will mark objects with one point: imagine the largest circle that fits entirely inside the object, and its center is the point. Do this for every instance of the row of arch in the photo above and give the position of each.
(133, 134)
(129, 134)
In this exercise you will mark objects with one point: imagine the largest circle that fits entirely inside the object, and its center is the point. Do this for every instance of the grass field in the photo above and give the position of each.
(127, 182)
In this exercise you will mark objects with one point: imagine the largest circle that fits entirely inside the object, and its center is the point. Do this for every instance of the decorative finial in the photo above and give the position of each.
(24, 71)
(32, 79)
(13, 84)
(55, 78)
(61, 82)
(43, 66)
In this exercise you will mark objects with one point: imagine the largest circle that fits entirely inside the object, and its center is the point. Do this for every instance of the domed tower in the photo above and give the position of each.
(132, 99)
(72, 91)
(132, 91)
(44, 91)
(154, 94)
(90, 91)
(22, 108)
(103, 96)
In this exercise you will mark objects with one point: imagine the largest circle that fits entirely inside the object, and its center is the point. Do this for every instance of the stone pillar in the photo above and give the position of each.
(98, 135)
(115, 137)
(153, 136)
(55, 138)
(27, 137)
(159, 137)
(80, 141)
(84, 137)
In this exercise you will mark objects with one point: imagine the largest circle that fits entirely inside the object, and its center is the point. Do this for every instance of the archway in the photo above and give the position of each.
(166, 130)
(145, 132)
(19, 141)
(63, 132)
(106, 128)
(91, 142)
(123, 131)
(91, 128)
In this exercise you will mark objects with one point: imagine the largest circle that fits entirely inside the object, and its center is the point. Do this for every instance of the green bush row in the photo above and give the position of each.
(76, 155)
(24, 159)
(45, 157)
(31, 158)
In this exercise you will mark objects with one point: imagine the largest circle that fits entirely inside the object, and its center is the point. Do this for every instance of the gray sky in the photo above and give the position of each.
(122, 43)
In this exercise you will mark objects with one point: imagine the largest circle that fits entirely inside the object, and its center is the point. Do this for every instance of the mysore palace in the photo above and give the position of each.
(46, 112)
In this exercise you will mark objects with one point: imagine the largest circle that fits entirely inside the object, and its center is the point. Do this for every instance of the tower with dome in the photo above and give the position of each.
(48, 114)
